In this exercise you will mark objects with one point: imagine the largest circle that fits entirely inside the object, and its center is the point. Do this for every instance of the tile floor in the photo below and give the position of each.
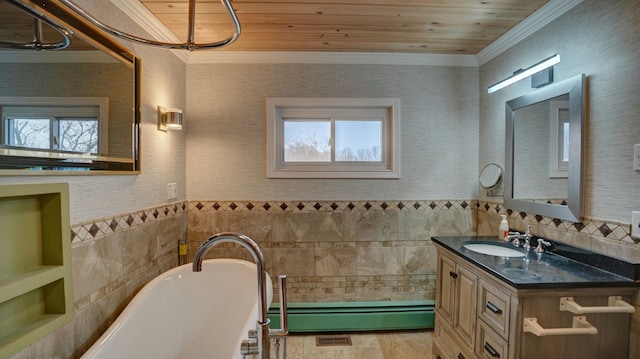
(377, 345)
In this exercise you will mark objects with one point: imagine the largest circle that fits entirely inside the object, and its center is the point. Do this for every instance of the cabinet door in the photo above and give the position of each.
(466, 295)
(445, 295)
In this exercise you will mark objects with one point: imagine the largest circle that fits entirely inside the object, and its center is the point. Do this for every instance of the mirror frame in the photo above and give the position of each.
(575, 87)
(21, 159)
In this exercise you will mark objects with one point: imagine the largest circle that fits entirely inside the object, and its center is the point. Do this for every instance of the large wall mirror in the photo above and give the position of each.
(544, 140)
(75, 109)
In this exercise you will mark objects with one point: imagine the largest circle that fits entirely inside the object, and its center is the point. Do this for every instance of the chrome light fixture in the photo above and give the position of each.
(169, 119)
(521, 74)
(190, 44)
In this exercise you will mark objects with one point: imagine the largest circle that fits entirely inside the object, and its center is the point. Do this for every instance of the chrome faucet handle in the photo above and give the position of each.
(542, 244)
(511, 236)
(514, 238)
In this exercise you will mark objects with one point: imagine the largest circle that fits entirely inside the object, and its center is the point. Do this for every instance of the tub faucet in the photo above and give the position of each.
(260, 346)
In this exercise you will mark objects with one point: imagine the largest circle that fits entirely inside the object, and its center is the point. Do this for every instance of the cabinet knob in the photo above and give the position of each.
(453, 275)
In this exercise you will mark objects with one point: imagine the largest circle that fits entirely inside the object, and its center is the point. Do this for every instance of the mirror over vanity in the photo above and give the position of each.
(544, 144)
(75, 109)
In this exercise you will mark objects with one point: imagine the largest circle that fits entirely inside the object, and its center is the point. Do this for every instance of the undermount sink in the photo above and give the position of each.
(493, 249)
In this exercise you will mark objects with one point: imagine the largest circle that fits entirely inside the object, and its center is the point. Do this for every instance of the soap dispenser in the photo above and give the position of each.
(503, 230)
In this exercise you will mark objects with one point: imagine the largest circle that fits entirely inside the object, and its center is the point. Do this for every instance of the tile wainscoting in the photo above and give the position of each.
(330, 250)
(334, 251)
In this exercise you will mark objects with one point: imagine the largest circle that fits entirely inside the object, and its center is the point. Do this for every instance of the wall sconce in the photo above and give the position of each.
(521, 74)
(169, 119)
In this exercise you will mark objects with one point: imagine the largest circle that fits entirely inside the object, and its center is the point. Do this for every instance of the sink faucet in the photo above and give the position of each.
(527, 239)
(260, 346)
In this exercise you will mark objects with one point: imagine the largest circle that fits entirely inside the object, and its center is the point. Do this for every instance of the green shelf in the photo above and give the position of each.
(35, 264)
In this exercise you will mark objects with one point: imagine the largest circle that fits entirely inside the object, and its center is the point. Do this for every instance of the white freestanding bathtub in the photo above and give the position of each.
(184, 314)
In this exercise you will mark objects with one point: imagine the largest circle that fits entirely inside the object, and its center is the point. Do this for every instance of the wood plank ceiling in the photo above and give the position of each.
(409, 26)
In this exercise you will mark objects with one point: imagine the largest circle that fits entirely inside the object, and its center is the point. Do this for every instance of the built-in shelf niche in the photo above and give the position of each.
(35, 263)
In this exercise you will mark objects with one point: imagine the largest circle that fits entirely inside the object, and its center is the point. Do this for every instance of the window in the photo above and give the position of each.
(333, 138)
(36, 123)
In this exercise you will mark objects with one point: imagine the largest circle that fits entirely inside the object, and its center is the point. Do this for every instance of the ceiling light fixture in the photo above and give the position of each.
(190, 44)
(521, 74)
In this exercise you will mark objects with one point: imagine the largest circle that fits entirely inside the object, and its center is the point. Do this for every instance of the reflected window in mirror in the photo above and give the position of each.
(55, 124)
(560, 124)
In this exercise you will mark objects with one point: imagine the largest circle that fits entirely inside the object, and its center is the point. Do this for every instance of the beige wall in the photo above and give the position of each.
(227, 129)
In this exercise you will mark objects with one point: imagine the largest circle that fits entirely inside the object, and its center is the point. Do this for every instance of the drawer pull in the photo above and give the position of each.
(491, 351)
(453, 275)
(579, 326)
(492, 307)
(460, 356)
(616, 305)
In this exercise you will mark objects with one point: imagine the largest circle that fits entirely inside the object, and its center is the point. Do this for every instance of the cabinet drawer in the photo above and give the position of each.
(494, 308)
(437, 352)
(490, 345)
(448, 344)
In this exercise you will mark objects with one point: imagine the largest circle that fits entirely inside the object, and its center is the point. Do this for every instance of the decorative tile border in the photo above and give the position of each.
(101, 227)
(329, 206)
(108, 225)
(589, 226)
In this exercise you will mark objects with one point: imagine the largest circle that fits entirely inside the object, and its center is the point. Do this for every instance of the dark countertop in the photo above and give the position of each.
(550, 270)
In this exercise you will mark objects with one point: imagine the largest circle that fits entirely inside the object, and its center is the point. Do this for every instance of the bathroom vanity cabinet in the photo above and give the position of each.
(500, 307)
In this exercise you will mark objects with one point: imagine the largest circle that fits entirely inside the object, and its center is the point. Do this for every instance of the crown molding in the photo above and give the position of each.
(150, 23)
(540, 18)
(547, 13)
(302, 57)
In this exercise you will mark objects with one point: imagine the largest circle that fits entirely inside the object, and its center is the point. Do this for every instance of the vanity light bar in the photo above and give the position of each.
(521, 74)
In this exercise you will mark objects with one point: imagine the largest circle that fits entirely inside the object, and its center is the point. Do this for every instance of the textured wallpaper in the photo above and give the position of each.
(599, 39)
(226, 150)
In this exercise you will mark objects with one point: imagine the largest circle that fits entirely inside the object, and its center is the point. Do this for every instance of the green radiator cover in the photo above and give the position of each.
(355, 316)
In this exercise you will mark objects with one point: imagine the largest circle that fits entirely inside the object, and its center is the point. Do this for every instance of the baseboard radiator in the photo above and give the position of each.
(355, 316)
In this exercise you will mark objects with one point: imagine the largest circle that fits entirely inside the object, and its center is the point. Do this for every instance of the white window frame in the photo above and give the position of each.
(101, 103)
(340, 109)
(557, 167)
